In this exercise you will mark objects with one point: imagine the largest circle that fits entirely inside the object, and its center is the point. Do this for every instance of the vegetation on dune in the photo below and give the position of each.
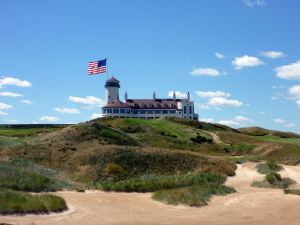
(258, 131)
(12, 202)
(154, 183)
(292, 140)
(24, 175)
(268, 167)
(273, 180)
(292, 191)
(196, 195)
(244, 159)
(121, 164)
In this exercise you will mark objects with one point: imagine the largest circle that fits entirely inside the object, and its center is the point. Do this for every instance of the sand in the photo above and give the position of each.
(248, 206)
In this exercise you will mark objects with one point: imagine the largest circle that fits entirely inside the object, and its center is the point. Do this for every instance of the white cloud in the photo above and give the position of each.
(298, 102)
(212, 94)
(246, 61)
(96, 115)
(203, 106)
(3, 113)
(50, 119)
(178, 94)
(290, 125)
(254, 3)
(243, 119)
(26, 101)
(10, 94)
(262, 113)
(4, 81)
(205, 72)
(88, 100)
(280, 121)
(219, 55)
(207, 120)
(294, 91)
(221, 102)
(289, 72)
(229, 122)
(67, 110)
(4, 106)
(273, 54)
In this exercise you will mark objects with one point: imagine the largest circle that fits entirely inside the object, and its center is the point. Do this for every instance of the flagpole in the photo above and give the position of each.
(106, 70)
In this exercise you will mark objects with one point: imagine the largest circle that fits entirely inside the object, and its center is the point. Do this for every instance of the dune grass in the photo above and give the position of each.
(273, 180)
(24, 175)
(195, 195)
(154, 183)
(292, 191)
(268, 167)
(15, 202)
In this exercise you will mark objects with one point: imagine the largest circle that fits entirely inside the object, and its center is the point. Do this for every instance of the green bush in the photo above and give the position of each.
(196, 195)
(200, 139)
(20, 202)
(273, 178)
(154, 183)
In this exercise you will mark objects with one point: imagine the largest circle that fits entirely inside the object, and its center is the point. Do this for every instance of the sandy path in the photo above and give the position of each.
(247, 206)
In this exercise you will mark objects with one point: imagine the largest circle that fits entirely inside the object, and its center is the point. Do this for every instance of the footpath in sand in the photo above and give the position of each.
(248, 206)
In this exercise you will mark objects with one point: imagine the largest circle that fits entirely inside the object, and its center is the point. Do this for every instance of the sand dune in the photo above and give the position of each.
(248, 206)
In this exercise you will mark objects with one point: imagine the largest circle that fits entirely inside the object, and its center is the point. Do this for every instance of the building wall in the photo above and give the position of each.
(111, 94)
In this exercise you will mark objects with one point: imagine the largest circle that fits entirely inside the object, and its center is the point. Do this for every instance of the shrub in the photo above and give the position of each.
(273, 178)
(113, 168)
(154, 183)
(196, 195)
(20, 202)
(200, 139)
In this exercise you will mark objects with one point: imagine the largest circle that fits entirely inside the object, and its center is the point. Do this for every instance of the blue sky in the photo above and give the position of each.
(238, 58)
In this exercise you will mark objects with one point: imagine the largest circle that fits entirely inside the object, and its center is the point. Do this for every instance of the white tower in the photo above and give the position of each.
(112, 86)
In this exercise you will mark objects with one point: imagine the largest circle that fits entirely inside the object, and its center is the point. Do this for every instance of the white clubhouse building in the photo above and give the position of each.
(145, 108)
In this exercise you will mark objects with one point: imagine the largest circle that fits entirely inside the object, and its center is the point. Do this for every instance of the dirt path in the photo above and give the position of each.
(216, 138)
(247, 206)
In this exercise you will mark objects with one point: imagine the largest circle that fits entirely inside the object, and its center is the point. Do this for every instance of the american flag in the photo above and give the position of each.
(97, 67)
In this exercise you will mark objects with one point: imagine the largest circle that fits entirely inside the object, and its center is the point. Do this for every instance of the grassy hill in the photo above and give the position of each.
(131, 150)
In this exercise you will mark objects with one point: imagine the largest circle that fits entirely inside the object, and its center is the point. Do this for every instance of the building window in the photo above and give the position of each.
(122, 110)
(149, 111)
(191, 110)
(142, 111)
(115, 110)
(164, 111)
(184, 109)
(104, 111)
(171, 104)
(134, 111)
(157, 105)
(109, 111)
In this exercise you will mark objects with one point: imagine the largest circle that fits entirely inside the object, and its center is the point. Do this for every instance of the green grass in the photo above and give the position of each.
(24, 132)
(196, 195)
(12, 202)
(154, 183)
(268, 167)
(24, 175)
(280, 140)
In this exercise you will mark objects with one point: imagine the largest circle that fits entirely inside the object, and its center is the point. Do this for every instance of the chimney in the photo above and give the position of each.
(154, 96)
(188, 96)
(174, 96)
(126, 96)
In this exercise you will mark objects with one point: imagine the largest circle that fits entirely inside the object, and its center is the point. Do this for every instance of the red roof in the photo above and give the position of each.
(153, 103)
(117, 104)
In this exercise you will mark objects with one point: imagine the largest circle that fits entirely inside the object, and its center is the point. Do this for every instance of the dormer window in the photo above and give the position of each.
(157, 105)
(171, 104)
